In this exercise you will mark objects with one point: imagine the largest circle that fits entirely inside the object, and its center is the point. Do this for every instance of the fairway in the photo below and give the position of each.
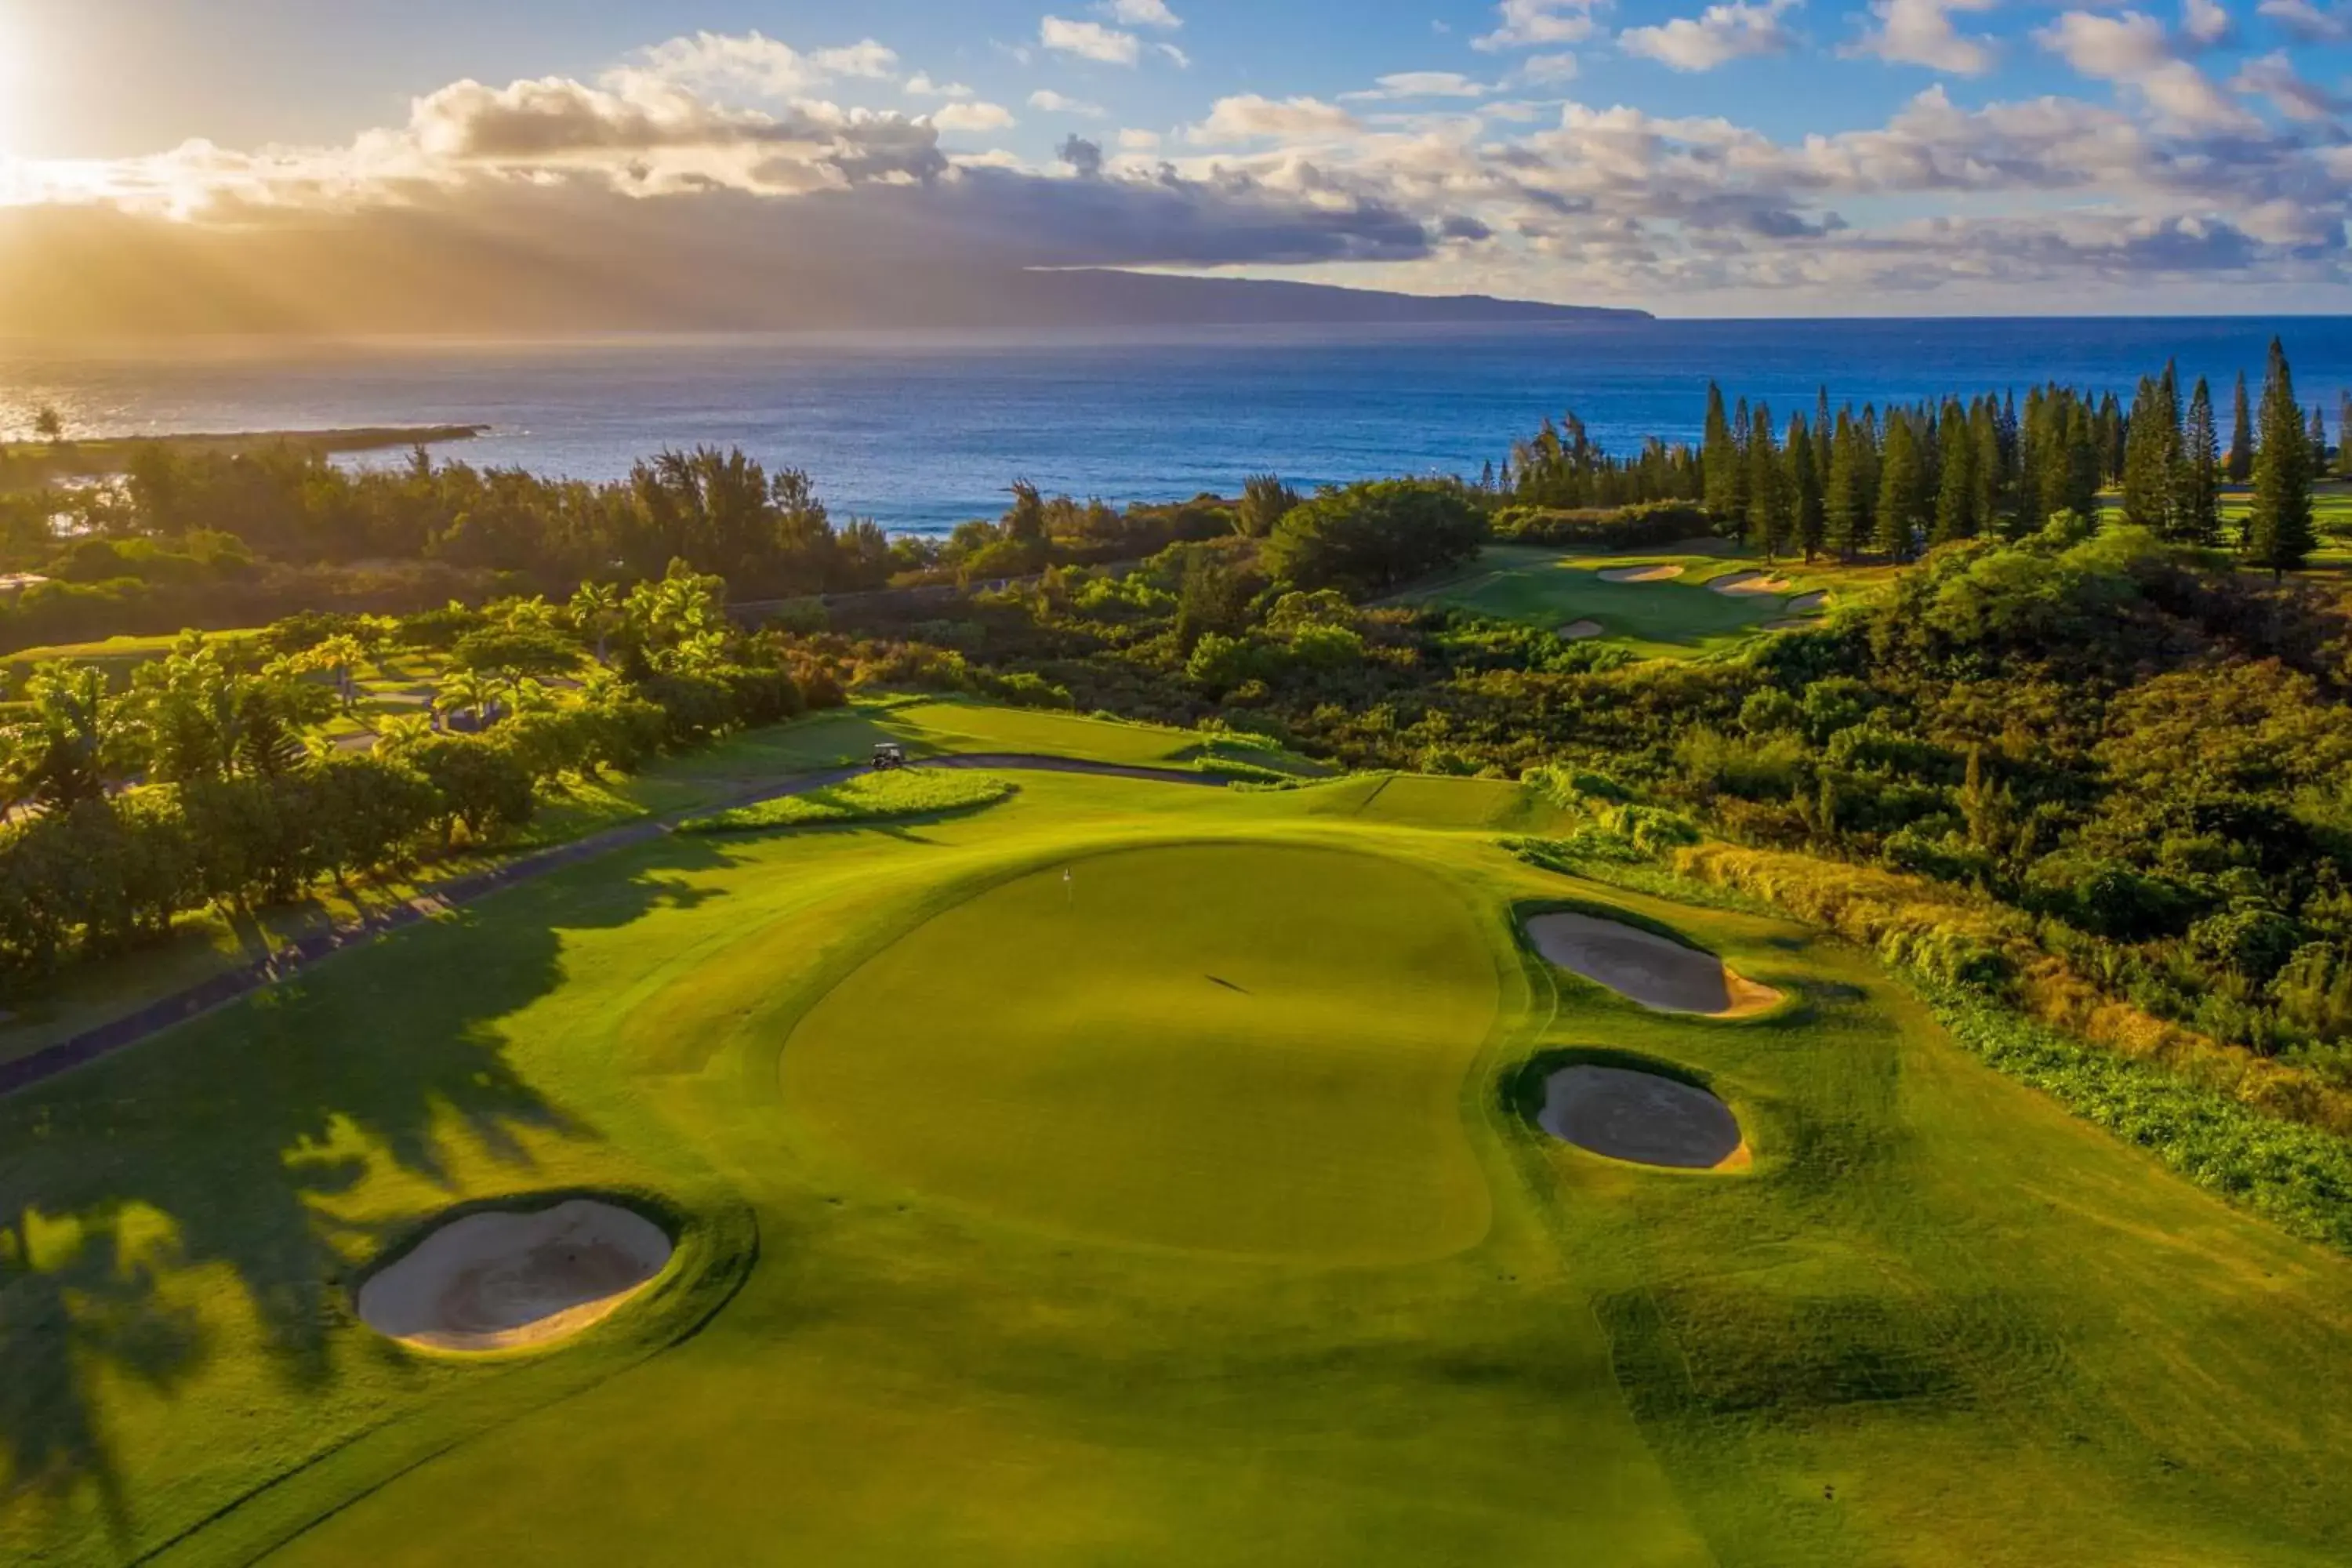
(1135, 1173)
(1655, 605)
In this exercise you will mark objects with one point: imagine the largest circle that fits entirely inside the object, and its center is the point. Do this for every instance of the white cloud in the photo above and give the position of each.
(1140, 13)
(2309, 22)
(1133, 140)
(1089, 40)
(974, 116)
(2274, 75)
(2135, 50)
(1251, 117)
(1545, 70)
(1718, 36)
(756, 63)
(920, 85)
(1423, 84)
(2206, 22)
(1053, 102)
(1920, 33)
(1526, 24)
(1173, 56)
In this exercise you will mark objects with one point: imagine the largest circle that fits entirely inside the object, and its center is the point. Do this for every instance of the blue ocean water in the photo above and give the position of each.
(922, 434)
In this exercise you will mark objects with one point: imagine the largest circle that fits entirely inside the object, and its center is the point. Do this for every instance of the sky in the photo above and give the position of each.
(1754, 157)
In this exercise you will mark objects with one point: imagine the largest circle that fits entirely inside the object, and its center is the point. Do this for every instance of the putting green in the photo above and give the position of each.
(1236, 1049)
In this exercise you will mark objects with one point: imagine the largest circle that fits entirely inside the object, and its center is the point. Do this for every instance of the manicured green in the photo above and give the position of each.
(1178, 1211)
(868, 797)
(1674, 618)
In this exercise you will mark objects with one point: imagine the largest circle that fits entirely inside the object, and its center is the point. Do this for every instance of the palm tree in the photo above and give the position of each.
(77, 726)
(49, 425)
(596, 611)
(467, 691)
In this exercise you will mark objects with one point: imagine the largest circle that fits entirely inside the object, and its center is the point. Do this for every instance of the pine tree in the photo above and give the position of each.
(1956, 485)
(2197, 507)
(1805, 487)
(1719, 455)
(1984, 433)
(2343, 435)
(1902, 488)
(1845, 511)
(1768, 488)
(2278, 525)
(2240, 465)
(2081, 466)
(2152, 454)
(1822, 432)
(1740, 429)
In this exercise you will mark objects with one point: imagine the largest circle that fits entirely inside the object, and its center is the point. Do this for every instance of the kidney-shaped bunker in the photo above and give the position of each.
(1641, 1117)
(497, 1279)
(1653, 970)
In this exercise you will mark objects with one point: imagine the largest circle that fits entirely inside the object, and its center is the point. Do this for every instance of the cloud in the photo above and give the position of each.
(1421, 84)
(1140, 13)
(1920, 33)
(2206, 22)
(1546, 71)
(2307, 22)
(1173, 56)
(1084, 157)
(2274, 75)
(2135, 50)
(1526, 24)
(1251, 117)
(1053, 102)
(920, 85)
(1089, 40)
(759, 64)
(974, 116)
(1718, 35)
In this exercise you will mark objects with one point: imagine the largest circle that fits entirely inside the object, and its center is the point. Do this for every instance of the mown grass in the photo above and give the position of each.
(1680, 617)
(868, 797)
(1027, 1241)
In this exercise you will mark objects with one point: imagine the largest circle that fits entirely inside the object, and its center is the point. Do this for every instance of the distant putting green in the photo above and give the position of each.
(1133, 1172)
(1657, 606)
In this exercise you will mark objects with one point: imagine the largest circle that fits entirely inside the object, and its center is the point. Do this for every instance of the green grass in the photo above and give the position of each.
(1176, 1212)
(869, 798)
(1678, 618)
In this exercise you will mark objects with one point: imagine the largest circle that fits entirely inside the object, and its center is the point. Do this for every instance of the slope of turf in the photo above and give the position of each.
(1010, 1234)
(868, 797)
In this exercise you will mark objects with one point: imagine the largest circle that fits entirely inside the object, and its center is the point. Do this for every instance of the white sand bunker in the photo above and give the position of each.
(1651, 969)
(1763, 584)
(1642, 1117)
(1640, 574)
(1576, 631)
(497, 1280)
(1807, 603)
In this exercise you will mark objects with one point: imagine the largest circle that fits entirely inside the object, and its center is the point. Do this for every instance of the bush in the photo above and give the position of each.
(1640, 527)
(1369, 539)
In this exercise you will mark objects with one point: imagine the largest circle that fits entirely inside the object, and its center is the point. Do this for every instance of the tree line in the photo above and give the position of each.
(1844, 482)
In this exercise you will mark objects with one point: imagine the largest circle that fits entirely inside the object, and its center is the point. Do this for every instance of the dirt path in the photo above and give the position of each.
(218, 991)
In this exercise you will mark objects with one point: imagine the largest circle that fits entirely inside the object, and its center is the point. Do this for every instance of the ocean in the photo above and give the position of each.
(922, 434)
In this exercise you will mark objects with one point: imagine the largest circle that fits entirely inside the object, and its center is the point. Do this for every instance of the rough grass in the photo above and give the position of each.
(1943, 1321)
(868, 797)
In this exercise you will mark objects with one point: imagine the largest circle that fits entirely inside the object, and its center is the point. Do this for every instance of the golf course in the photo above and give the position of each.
(1105, 1167)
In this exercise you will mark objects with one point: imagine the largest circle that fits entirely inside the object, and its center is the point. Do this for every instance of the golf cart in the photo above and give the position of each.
(888, 757)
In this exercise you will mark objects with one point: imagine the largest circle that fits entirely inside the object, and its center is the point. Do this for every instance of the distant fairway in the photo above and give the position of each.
(1191, 1211)
(1675, 617)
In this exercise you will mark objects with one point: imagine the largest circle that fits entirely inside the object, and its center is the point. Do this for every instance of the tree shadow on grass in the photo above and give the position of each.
(218, 1144)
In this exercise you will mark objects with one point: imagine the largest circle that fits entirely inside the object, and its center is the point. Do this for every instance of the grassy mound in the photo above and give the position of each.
(869, 798)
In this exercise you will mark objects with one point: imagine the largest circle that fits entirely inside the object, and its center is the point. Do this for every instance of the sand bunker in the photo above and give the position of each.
(496, 1280)
(1651, 969)
(1640, 574)
(1807, 603)
(1642, 1117)
(1757, 582)
(1576, 631)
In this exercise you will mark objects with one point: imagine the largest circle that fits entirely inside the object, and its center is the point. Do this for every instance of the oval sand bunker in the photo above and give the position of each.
(1651, 969)
(1641, 1117)
(500, 1280)
(1641, 574)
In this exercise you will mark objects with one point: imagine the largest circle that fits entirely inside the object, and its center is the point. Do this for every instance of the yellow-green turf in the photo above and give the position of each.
(1011, 1236)
(1678, 617)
